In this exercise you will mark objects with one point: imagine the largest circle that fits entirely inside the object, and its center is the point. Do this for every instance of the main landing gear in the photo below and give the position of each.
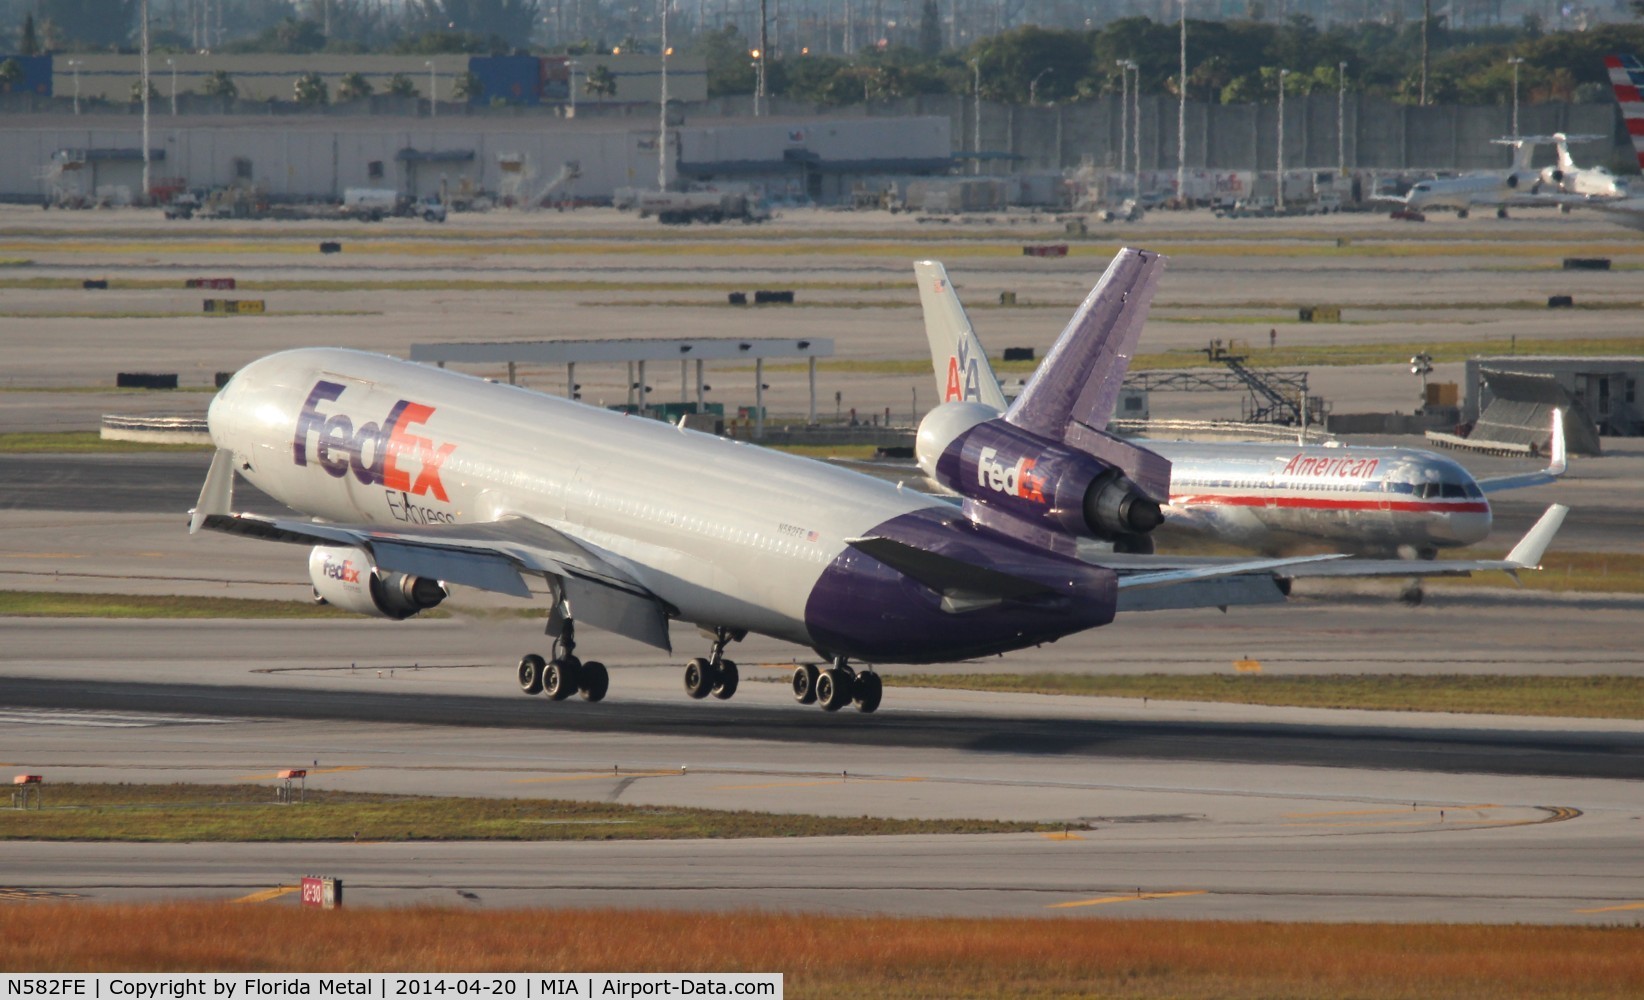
(713, 674)
(563, 674)
(835, 686)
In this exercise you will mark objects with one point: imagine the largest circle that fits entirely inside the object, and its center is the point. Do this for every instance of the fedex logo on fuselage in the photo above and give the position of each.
(1015, 480)
(373, 451)
(963, 376)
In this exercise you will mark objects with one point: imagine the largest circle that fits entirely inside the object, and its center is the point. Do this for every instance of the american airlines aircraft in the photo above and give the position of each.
(419, 478)
(1368, 501)
(1627, 77)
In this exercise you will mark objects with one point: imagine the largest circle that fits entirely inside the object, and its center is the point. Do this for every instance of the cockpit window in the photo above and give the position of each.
(1454, 491)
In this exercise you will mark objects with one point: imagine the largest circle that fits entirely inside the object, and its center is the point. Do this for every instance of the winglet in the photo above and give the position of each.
(1559, 460)
(217, 495)
(1528, 552)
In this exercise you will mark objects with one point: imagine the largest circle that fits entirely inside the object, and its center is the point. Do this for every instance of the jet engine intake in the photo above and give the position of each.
(347, 578)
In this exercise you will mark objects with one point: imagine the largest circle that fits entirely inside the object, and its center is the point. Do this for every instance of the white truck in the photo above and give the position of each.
(374, 204)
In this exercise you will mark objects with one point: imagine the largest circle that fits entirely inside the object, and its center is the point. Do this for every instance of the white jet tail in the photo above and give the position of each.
(962, 369)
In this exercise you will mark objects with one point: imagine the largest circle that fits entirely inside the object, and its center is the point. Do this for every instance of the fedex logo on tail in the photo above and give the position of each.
(1016, 480)
(963, 375)
(373, 452)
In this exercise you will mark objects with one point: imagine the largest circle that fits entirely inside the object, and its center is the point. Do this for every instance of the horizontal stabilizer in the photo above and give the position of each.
(1222, 592)
(945, 574)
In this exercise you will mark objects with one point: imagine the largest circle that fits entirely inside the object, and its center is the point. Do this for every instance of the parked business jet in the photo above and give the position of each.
(1378, 502)
(1494, 188)
(421, 478)
(1587, 182)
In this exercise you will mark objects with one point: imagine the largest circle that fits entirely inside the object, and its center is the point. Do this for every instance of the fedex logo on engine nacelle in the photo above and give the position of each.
(1012, 480)
(372, 452)
(344, 571)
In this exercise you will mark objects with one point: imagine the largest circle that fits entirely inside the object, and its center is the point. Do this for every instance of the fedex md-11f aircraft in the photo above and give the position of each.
(420, 478)
(1378, 502)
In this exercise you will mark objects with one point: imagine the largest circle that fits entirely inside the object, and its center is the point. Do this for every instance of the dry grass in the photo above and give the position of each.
(1600, 697)
(846, 956)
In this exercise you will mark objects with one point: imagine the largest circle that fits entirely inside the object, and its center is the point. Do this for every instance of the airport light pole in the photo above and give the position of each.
(173, 64)
(976, 125)
(74, 64)
(1341, 118)
(662, 129)
(1124, 115)
(759, 80)
(1279, 199)
(1181, 117)
(571, 67)
(433, 89)
(143, 82)
(1516, 62)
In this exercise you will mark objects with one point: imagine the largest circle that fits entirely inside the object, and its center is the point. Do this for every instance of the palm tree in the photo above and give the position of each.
(354, 87)
(311, 90)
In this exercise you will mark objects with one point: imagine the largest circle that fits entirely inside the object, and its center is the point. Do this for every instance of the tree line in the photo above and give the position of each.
(1228, 61)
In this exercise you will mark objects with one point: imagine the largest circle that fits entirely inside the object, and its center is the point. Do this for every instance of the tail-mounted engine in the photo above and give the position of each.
(347, 578)
(1043, 483)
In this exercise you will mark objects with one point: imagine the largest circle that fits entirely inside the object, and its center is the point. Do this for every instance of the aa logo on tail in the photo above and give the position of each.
(964, 376)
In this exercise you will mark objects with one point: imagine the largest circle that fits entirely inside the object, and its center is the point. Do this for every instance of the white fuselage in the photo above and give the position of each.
(1364, 500)
(720, 530)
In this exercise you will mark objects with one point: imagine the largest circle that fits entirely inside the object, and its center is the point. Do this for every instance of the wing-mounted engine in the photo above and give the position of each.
(348, 578)
(1008, 472)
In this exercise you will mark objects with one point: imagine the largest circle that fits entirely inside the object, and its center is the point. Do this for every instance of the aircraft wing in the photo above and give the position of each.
(490, 556)
(1525, 555)
(1557, 462)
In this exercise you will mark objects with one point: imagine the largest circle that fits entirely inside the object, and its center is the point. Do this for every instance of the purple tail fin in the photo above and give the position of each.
(1072, 396)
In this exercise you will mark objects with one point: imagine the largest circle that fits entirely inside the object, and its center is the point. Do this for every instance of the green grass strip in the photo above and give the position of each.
(45, 604)
(82, 443)
(247, 812)
(1601, 697)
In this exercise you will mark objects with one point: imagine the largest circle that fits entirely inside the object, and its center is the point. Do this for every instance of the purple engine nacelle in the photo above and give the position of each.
(970, 450)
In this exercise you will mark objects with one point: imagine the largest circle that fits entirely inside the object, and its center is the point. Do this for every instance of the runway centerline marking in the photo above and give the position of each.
(311, 772)
(267, 894)
(1127, 899)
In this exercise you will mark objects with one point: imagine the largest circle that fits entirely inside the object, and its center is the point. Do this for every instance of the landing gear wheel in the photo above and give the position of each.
(593, 681)
(725, 683)
(804, 684)
(867, 691)
(1412, 594)
(530, 673)
(833, 689)
(559, 678)
(699, 678)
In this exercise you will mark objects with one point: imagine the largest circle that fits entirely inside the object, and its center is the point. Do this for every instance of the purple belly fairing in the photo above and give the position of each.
(865, 610)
